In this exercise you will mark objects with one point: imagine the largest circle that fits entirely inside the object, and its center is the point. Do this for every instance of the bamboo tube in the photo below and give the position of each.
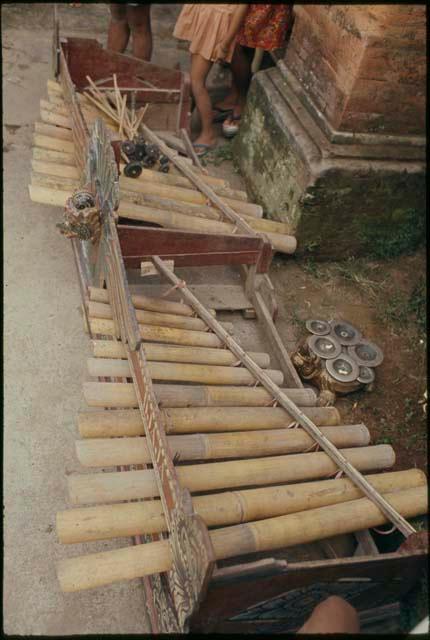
(114, 487)
(101, 310)
(146, 302)
(53, 197)
(112, 452)
(186, 195)
(55, 118)
(55, 170)
(94, 570)
(179, 372)
(52, 131)
(53, 143)
(53, 182)
(58, 108)
(54, 87)
(154, 333)
(175, 353)
(202, 420)
(105, 522)
(120, 394)
(48, 155)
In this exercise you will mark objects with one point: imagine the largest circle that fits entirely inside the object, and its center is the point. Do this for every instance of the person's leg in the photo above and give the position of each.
(333, 615)
(139, 20)
(119, 32)
(198, 73)
(241, 70)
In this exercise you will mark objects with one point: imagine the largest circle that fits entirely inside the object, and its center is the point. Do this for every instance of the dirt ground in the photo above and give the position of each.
(45, 350)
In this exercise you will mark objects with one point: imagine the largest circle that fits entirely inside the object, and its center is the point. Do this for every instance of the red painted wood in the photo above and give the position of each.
(188, 249)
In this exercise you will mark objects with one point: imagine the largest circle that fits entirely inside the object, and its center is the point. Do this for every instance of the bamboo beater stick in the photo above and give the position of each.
(120, 394)
(105, 522)
(211, 476)
(94, 570)
(200, 419)
(179, 372)
(175, 353)
(112, 452)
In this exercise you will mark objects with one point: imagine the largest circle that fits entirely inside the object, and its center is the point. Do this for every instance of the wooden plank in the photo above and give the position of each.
(188, 249)
(292, 378)
(285, 402)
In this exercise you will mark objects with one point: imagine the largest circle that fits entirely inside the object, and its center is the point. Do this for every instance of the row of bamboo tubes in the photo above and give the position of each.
(97, 569)
(167, 199)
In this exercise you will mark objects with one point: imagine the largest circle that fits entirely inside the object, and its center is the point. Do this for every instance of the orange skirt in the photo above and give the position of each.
(205, 26)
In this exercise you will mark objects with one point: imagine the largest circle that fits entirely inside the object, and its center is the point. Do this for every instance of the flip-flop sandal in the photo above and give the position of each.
(230, 129)
(202, 149)
(221, 114)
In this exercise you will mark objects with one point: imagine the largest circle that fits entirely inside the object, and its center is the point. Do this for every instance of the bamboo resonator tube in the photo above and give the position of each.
(114, 487)
(103, 568)
(156, 333)
(119, 423)
(231, 507)
(175, 353)
(112, 452)
(101, 310)
(180, 372)
(122, 395)
(147, 303)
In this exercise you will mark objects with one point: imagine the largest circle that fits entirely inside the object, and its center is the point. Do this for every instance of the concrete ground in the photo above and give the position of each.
(46, 348)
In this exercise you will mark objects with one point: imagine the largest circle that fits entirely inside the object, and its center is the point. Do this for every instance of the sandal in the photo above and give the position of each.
(230, 129)
(221, 114)
(202, 149)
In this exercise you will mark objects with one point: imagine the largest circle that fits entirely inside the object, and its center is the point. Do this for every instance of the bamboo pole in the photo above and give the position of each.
(146, 302)
(179, 372)
(54, 87)
(55, 118)
(154, 333)
(104, 522)
(102, 310)
(58, 108)
(286, 403)
(175, 353)
(52, 131)
(115, 452)
(49, 155)
(98, 569)
(123, 395)
(114, 487)
(55, 144)
(185, 195)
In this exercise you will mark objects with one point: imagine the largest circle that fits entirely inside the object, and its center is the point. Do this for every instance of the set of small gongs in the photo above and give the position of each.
(346, 355)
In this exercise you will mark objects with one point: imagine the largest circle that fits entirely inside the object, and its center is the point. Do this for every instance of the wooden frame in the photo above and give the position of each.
(212, 595)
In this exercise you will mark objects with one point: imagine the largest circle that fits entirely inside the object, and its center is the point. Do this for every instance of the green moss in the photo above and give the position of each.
(402, 232)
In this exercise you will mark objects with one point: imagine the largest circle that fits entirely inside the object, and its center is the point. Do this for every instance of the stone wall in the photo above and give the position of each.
(363, 66)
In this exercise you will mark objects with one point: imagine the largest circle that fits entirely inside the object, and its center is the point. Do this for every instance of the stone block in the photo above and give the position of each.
(339, 206)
